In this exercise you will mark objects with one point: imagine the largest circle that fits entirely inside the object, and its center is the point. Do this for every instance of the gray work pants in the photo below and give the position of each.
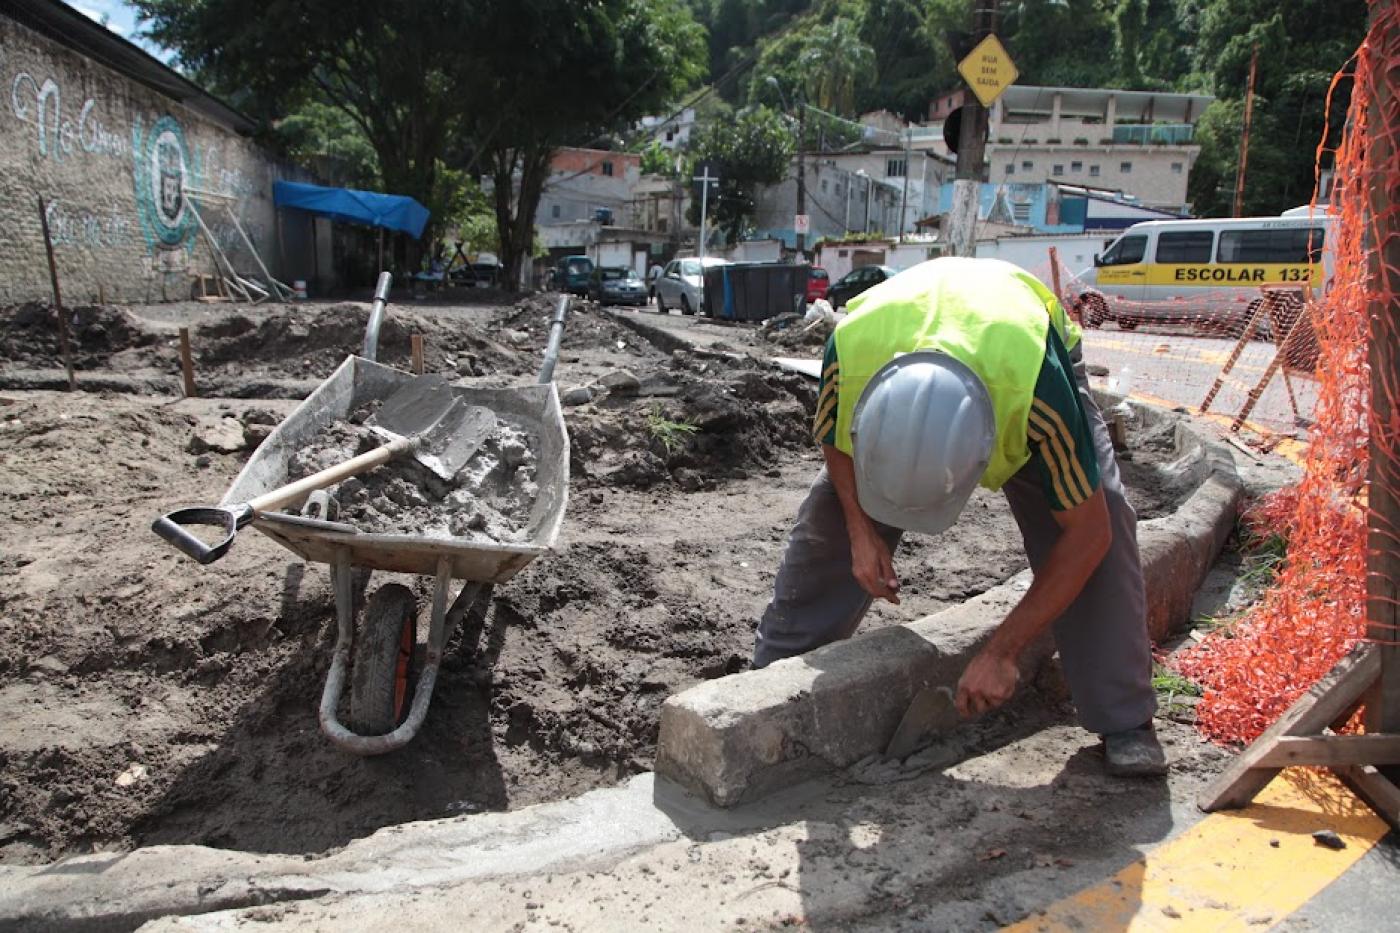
(1101, 637)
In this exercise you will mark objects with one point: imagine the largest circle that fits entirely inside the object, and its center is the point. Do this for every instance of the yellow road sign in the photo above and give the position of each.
(988, 70)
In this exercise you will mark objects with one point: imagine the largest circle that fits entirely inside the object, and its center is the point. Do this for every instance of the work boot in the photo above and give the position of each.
(1134, 753)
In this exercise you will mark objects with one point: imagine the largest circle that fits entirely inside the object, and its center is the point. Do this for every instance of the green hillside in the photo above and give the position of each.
(850, 56)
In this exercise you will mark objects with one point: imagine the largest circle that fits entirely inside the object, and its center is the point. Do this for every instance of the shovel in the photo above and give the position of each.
(932, 711)
(423, 417)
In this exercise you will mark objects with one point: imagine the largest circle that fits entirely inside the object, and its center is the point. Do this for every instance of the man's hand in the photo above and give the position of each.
(987, 683)
(873, 567)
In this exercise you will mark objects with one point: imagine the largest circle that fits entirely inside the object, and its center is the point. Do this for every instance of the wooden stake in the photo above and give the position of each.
(64, 347)
(1055, 275)
(187, 363)
(416, 342)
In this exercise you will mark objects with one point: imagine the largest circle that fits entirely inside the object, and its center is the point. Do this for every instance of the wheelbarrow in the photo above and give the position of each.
(377, 658)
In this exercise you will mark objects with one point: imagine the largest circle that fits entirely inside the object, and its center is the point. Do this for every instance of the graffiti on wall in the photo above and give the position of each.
(78, 226)
(57, 136)
(161, 169)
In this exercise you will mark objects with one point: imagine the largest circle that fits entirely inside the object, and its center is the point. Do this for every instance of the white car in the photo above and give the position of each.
(682, 285)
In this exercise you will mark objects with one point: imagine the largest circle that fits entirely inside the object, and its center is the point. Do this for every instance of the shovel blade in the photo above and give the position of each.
(932, 711)
(446, 430)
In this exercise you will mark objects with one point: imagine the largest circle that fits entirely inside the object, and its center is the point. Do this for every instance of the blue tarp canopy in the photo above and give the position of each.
(391, 211)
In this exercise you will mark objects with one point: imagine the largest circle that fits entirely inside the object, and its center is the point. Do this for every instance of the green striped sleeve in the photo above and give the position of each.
(1062, 445)
(824, 425)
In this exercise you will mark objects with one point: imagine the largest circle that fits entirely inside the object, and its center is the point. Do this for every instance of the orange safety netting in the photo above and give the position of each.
(1316, 610)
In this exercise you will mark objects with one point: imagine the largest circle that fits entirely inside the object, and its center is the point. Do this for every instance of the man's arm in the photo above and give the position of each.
(1085, 538)
(871, 562)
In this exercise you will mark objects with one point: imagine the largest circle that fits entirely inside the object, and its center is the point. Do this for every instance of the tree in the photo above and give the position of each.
(1302, 44)
(602, 66)
(755, 149)
(484, 84)
(271, 59)
(911, 66)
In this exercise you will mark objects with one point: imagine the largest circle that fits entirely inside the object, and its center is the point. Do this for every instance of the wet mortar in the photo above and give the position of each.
(154, 701)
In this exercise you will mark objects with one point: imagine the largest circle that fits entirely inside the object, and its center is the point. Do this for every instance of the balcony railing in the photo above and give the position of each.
(1159, 134)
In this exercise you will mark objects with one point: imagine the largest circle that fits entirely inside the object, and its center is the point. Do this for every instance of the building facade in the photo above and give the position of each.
(589, 184)
(862, 191)
(115, 143)
(1138, 142)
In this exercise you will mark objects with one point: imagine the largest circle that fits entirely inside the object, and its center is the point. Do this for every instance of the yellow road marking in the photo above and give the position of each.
(1224, 873)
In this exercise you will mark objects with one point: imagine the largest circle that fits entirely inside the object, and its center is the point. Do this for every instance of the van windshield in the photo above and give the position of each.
(579, 265)
(690, 267)
(1127, 250)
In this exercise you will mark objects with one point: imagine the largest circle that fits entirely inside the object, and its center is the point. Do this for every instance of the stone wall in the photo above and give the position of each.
(112, 159)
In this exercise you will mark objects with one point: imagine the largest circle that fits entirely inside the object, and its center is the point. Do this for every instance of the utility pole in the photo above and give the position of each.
(904, 197)
(1244, 137)
(705, 179)
(972, 146)
(801, 175)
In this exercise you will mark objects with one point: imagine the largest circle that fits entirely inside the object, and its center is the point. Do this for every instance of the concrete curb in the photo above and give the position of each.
(120, 891)
(741, 737)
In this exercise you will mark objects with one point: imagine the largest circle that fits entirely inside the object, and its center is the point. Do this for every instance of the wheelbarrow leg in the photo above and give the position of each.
(343, 584)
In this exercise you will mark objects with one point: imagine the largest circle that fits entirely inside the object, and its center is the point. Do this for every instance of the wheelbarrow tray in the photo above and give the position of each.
(357, 381)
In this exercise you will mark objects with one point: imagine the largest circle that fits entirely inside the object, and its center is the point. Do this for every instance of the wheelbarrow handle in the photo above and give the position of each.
(172, 527)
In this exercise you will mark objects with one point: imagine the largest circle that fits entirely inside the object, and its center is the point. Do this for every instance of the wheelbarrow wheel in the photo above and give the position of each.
(381, 683)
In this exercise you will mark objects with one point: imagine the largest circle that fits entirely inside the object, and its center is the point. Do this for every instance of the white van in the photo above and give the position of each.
(1208, 271)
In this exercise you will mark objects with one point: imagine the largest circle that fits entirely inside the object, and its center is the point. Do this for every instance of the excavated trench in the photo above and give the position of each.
(153, 701)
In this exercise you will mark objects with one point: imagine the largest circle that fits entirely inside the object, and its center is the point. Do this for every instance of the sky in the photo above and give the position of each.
(120, 17)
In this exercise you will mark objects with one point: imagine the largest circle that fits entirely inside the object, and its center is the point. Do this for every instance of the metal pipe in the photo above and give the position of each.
(376, 316)
(556, 337)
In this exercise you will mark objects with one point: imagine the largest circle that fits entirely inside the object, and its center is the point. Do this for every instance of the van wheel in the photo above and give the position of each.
(1093, 311)
(685, 306)
(1128, 323)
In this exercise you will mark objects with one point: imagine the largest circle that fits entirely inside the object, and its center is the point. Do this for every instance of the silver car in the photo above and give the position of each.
(681, 284)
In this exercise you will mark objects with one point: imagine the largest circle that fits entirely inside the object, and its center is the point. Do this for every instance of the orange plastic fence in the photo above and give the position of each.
(1315, 612)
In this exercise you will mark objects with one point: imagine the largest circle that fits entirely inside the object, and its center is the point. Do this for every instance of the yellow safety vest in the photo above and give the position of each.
(988, 314)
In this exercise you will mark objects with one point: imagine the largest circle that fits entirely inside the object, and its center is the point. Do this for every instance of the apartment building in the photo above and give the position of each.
(1141, 143)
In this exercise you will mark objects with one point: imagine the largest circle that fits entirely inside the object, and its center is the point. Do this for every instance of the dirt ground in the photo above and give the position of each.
(154, 701)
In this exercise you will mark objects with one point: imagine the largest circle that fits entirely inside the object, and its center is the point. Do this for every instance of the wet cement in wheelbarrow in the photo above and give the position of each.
(487, 501)
(152, 701)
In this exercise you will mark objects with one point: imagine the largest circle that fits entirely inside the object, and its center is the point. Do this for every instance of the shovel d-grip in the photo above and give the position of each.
(173, 528)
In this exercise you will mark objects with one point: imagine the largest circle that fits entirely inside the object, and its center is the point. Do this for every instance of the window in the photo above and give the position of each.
(1187, 246)
(1076, 167)
(1057, 169)
(1126, 251)
(1176, 168)
(824, 186)
(1027, 165)
(1094, 171)
(894, 168)
(670, 135)
(1125, 167)
(1021, 212)
(1296, 244)
(607, 167)
(1010, 168)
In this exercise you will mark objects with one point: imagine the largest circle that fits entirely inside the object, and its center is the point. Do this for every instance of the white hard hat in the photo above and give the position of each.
(922, 433)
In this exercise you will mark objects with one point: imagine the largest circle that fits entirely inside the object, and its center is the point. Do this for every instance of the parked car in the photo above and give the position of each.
(682, 284)
(573, 275)
(818, 283)
(855, 282)
(616, 285)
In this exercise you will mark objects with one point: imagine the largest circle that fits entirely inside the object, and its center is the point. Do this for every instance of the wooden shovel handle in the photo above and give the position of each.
(293, 492)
